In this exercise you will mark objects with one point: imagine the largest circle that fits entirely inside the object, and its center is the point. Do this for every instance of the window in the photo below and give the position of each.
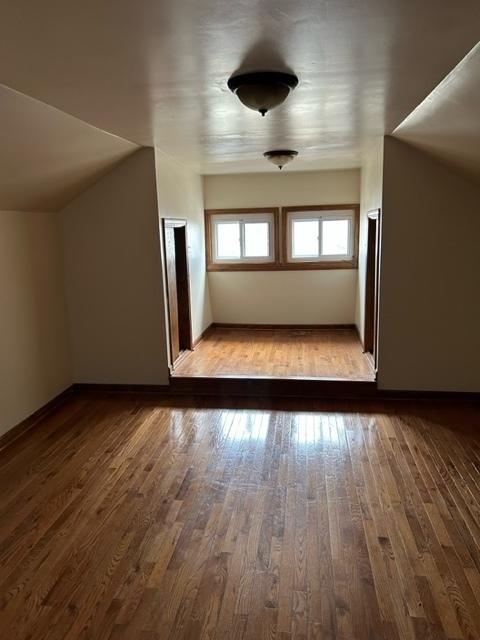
(312, 237)
(321, 237)
(242, 239)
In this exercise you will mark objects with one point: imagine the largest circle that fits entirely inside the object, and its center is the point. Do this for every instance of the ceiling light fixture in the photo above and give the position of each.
(280, 157)
(262, 90)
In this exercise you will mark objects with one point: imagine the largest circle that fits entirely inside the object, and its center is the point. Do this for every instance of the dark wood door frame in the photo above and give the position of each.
(178, 287)
(372, 278)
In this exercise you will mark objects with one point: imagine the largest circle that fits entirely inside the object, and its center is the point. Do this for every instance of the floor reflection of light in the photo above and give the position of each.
(178, 426)
(306, 427)
(314, 428)
(248, 425)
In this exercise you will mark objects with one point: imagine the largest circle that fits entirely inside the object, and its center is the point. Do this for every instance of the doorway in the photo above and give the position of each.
(178, 288)
(370, 339)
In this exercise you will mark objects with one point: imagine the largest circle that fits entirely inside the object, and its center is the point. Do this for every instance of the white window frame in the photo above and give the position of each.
(241, 219)
(321, 215)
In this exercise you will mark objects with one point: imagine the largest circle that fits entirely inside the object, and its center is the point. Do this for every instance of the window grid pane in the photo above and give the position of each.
(335, 237)
(305, 238)
(228, 240)
(248, 239)
(256, 242)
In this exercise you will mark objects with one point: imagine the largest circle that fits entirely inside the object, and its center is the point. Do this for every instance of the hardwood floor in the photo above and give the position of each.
(335, 353)
(126, 518)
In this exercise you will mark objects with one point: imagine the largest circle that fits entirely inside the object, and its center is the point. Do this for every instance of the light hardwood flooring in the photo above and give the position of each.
(126, 518)
(311, 353)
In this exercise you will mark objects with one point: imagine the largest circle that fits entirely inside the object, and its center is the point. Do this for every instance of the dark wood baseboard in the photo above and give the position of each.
(122, 388)
(292, 327)
(448, 396)
(202, 335)
(25, 425)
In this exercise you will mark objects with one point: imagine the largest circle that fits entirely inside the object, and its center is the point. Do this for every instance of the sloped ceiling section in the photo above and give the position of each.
(447, 123)
(48, 157)
(155, 72)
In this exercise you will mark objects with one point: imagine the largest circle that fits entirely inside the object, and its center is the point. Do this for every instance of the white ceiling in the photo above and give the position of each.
(155, 71)
(447, 123)
(48, 157)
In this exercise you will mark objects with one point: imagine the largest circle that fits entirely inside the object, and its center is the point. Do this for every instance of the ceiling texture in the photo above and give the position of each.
(154, 72)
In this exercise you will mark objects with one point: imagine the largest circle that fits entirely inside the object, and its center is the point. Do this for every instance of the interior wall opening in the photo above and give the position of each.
(281, 258)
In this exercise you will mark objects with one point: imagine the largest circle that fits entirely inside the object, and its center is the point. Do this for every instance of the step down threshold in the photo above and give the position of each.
(265, 387)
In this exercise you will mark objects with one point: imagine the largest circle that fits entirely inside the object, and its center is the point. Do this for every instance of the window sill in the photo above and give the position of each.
(324, 264)
(286, 266)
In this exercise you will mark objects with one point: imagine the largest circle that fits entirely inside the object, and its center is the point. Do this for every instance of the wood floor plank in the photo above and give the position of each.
(138, 518)
(308, 353)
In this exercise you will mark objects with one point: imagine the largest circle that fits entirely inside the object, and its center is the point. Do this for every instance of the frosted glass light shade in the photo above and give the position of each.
(280, 157)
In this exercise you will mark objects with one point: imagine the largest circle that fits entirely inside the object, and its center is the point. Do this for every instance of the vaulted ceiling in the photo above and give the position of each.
(154, 72)
(48, 157)
(447, 123)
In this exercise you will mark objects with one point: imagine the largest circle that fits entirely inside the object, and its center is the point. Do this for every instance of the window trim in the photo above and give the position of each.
(280, 227)
(246, 218)
(319, 218)
(320, 263)
(243, 264)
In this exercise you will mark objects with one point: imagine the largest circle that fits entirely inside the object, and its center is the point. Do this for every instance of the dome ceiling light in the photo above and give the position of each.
(280, 157)
(262, 90)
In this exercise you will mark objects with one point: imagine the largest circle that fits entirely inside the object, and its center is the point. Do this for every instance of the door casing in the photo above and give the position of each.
(178, 287)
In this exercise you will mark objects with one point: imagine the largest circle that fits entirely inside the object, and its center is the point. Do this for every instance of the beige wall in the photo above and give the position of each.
(34, 362)
(284, 297)
(282, 188)
(370, 198)
(113, 276)
(314, 297)
(180, 195)
(430, 283)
